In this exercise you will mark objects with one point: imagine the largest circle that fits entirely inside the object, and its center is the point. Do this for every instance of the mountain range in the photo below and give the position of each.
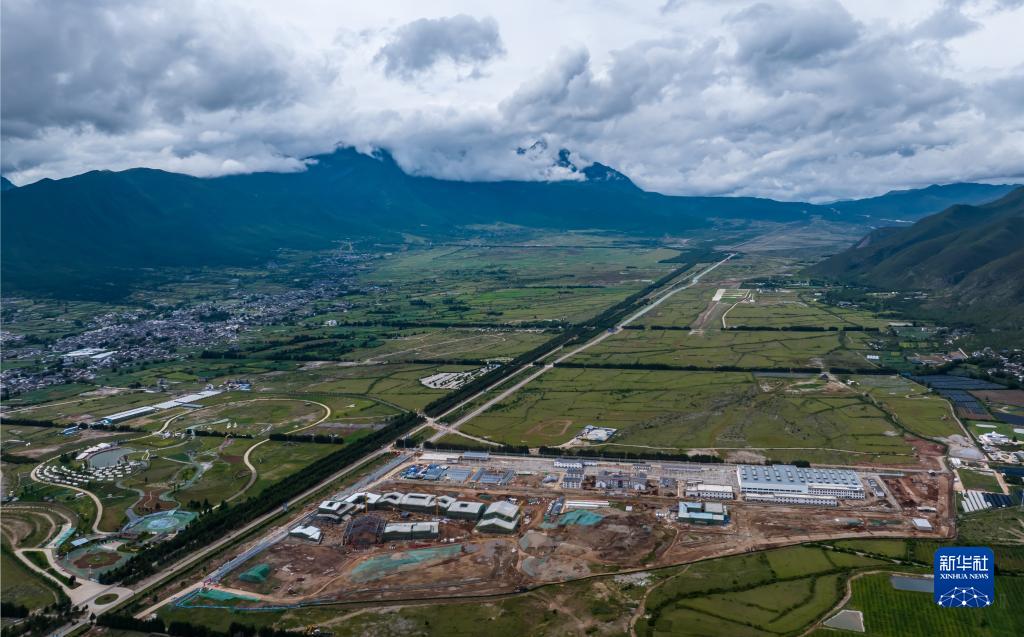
(969, 258)
(90, 235)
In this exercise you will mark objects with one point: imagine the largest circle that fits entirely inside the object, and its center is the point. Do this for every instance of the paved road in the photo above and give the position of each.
(253, 474)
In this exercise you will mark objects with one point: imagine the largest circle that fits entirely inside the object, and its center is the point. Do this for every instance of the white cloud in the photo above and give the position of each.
(785, 99)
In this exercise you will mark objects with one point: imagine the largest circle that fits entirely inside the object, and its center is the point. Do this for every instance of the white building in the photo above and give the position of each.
(784, 479)
(710, 491)
(310, 533)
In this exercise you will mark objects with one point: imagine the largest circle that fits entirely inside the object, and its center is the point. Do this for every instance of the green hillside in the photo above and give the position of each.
(970, 259)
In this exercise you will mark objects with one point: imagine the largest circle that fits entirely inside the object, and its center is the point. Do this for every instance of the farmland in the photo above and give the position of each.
(685, 410)
(736, 349)
(890, 613)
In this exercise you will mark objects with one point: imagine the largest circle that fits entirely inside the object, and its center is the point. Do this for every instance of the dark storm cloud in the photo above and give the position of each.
(418, 46)
(117, 66)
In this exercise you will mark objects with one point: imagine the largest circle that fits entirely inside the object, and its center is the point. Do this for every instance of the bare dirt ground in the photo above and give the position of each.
(462, 561)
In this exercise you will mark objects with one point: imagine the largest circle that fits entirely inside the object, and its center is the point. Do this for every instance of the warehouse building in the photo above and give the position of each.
(410, 531)
(785, 479)
(569, 463)
(709, 513)
(126, 415)
(792, 498)
(710, 491)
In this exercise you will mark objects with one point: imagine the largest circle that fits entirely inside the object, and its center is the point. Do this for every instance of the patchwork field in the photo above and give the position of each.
(506, 284)
(894, 613)
(788, 308)
(717, 348)
(685, 410)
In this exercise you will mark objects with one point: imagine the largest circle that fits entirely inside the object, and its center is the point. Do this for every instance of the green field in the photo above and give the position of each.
(255, 416)
(504, 284)
(681, 309)
(788, 308)
(21, 585)
(450, 344)
(683, 410)
(777, 592)
(892, 613)
(978, 481)
(275, 460)
(718, 348)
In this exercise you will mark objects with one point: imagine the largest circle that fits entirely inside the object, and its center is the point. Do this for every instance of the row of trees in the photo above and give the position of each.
(186, 629)
(322, 439)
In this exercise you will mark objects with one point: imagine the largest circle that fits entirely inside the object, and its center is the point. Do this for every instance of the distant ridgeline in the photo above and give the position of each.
(969, 261)
(90, 236)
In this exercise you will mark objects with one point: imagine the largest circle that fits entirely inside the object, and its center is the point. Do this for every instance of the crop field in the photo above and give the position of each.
(193, 374)
(451, 343)
(681, 309)
(894, 613)
(684, 410)
(253, 416)
(505, 284)
(275, 460)
(716, 348)
(788, 308)
(394, 384)
(777, 592)
(923, 413)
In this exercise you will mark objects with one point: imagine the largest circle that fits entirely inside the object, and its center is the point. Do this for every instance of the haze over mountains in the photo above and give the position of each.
(969, 257)
(88, 235)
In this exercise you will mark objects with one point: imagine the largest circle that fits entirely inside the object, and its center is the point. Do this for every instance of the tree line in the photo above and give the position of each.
(187, 629)
(322, 439)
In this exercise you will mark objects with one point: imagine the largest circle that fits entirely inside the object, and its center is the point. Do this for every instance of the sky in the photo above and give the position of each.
(798, 100)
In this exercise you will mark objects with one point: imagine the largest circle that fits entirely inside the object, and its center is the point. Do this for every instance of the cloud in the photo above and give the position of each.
(794, 100)
(422, 44)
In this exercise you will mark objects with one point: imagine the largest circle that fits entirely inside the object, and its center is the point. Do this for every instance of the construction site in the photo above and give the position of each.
(443, 525)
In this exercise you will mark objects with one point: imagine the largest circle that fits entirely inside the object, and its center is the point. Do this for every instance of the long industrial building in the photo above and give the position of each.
(790, 480)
